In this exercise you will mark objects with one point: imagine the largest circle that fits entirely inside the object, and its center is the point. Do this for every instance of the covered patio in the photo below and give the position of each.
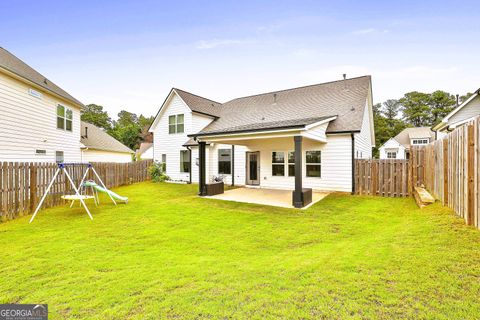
(269, 197)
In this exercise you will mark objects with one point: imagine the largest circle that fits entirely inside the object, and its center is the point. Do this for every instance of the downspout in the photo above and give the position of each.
(189, 169)
(233, 165)
(353, 163)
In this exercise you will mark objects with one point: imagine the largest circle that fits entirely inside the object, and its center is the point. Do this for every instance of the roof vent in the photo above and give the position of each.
(86, 133)
(274, 98)
(352, 108)
(45, 81)
(345, 81)
(457, 99)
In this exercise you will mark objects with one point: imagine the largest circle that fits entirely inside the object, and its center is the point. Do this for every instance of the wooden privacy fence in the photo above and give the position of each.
(452, 171)
(387, 178)
(448, 168)
(22, 184)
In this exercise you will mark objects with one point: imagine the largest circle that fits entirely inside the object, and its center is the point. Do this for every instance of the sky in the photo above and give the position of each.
(127, 55)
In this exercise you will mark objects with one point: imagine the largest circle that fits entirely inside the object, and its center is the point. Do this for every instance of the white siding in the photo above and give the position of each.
(171, 144)
(336, 174)
(392, 146)
(363, 140)
(472, 109)
(28, 123)
(148, 154)
(239, 164)
(105, 156)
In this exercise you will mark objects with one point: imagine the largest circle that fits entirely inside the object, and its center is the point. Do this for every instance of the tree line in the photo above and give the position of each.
(414, 109)
(129, 129)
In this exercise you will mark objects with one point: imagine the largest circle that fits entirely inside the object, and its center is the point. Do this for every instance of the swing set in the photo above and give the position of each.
(62, 167)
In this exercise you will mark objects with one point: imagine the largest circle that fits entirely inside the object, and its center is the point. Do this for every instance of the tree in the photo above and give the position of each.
(441, 104)
(465, 97)
(390, 109)
(127, 129)
(94, 114)
(416, 108)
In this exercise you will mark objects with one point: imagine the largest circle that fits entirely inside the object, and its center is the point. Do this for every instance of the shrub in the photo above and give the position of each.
(157, 172)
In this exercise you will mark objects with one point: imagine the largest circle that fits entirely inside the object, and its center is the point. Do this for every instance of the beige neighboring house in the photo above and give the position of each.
(465, 112)
(398, 147)
(39, 121)
(99, 146)
(145, 151)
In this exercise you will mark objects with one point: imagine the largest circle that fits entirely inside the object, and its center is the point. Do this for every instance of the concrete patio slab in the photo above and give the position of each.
(269, 197)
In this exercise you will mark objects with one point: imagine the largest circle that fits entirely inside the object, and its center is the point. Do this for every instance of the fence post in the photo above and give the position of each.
(33, 186)
(471, 174)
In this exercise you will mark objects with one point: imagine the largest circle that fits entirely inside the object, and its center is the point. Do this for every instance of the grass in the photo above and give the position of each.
(170, 254)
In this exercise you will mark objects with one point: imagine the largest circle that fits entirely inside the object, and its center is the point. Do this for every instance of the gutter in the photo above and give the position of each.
(353, 163)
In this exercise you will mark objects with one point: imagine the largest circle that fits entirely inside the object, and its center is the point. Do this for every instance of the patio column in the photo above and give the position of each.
(201, 169)
(297, 194)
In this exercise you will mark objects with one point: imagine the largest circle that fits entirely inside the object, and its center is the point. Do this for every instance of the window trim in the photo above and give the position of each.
(392, 152)
(278, 163)
(182, 161)
(56, 156)
(290, 164)
(176, 123)
(64, 117)
(313, 164)
(218, 161)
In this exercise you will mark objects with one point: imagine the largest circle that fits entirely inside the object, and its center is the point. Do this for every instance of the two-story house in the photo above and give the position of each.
(398, 147)
(39, 122)
(304, 137)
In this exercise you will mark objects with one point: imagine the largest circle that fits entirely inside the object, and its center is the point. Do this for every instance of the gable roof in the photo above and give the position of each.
(95, 138)
(13, 64)
(444, 123)
(345, 99)
(144, 146)
(200, 104)
(413, 133)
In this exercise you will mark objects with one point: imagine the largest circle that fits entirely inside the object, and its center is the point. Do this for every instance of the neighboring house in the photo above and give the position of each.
(99, 146)
(465, 112)
(39, 122)
(145, 151)
(253, 140)
(398, 147)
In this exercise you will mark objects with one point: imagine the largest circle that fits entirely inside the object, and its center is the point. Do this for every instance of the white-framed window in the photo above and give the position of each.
(278, 163)
(164, 162)
(184, 161)
(291, 163)
(59, 156)
(176, 124)
(224, 161)
(391, 155)
(64, 118)
(313, 161)
(419, 141)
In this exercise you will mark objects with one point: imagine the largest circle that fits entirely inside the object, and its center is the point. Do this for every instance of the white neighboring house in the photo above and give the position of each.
(398, 147)
(145, 151)
(99, 146)
(250, 140)
(39, 122)
(465, 112)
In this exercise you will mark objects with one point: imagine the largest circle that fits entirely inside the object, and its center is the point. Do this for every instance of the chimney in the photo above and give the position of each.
(345, 81)
(456, 98)
(274, 98)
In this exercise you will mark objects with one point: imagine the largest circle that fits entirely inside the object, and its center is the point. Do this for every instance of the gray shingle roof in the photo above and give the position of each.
(344, 98)
(13, 64)
(200, 104)
(100, 140)
(414, 133)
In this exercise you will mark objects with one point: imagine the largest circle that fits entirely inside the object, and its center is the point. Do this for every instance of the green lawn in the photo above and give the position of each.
(170, 254)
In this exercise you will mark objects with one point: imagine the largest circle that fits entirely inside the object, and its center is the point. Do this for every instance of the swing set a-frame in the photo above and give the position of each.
(62, 167)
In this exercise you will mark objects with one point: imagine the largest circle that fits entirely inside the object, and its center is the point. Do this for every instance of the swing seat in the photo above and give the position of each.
(73, 197)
